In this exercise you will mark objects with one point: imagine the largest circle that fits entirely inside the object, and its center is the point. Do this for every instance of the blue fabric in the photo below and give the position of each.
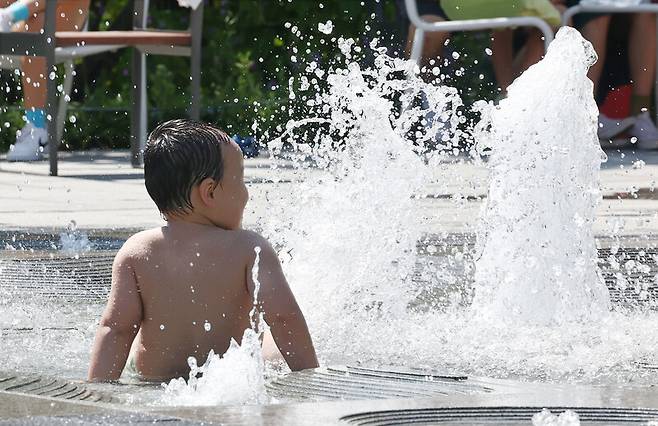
(19, 11)
(37, 117)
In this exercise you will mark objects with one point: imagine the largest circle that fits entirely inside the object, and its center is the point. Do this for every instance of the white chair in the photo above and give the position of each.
(423, 26)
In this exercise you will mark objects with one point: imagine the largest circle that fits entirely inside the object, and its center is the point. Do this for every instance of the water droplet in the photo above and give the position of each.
(207, 326)
(488, 51)
(162, 327)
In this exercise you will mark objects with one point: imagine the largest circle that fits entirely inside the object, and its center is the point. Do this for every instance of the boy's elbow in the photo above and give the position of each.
(117, 329)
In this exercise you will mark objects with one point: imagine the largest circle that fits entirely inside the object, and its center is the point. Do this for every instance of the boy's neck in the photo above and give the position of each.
(189, 218)
(194, 219)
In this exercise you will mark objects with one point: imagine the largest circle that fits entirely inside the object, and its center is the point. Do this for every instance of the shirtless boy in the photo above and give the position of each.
(186, 288)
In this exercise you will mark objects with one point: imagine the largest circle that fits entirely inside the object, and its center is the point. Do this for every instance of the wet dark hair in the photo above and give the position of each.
(179, 154)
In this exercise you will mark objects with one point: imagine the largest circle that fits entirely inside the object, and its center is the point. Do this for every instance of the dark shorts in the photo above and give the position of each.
(581, 19)
(430, 7)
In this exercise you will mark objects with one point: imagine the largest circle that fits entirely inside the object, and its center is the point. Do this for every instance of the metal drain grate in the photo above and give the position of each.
(365, 383)
(110, 419)
(629, 273)
(497, 416)
(50, 387)
(87, 277)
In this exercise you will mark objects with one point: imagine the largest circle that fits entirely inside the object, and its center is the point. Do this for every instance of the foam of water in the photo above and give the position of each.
(236, 377)
(350, 233)
(538, 260)
(73, 241)
(546, 418)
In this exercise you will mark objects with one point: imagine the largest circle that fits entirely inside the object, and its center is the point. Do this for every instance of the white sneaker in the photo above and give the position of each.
(5, 21)
(611, 127)
(30, 144)
(645, 131)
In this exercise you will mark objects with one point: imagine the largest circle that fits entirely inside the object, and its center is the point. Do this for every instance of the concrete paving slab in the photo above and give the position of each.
(101, 190)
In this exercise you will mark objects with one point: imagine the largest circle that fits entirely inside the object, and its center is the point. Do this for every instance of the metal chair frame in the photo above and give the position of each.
(15, 45)
(423, 26)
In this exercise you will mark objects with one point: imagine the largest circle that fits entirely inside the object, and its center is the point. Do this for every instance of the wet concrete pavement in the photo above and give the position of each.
(100, 190)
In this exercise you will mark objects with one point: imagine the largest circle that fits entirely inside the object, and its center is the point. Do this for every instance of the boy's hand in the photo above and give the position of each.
(281, 311)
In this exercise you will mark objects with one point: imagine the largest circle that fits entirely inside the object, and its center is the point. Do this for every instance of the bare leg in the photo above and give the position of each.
(69, 18)
(596, 31)
(532, 52)
(642, 53)
(502, 57)
(432, 43)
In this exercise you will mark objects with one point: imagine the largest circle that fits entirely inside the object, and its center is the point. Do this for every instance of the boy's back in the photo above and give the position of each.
(193, 285)
(186, 288)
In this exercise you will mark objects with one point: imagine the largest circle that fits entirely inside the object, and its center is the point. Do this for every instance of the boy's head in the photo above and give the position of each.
(195, 169)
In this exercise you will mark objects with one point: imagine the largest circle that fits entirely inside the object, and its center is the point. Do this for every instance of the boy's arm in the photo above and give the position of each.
(119, 323)
(281, 311)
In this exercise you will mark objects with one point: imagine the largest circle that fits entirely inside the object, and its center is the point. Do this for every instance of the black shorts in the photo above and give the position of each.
(430, 7)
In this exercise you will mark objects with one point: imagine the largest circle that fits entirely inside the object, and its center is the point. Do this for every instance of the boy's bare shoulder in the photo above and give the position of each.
(140, 244)
(250, 239)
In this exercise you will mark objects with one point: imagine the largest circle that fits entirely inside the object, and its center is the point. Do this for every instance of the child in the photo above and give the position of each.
(186, 288)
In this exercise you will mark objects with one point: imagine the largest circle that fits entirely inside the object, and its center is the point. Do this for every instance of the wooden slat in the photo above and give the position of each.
(128, 38)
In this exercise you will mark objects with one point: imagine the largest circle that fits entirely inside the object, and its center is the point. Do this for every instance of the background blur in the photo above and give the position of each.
(247, 51)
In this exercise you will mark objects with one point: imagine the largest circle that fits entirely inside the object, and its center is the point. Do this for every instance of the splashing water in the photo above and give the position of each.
(538, 260)
(237, 377)
(348, 238)
(352, 229)
(546, 418)
(74, 242)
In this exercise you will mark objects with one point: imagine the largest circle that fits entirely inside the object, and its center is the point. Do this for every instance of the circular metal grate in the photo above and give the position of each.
(498, 416)
(629, 272)
(86, 277)
(365, 383)
(50, 387)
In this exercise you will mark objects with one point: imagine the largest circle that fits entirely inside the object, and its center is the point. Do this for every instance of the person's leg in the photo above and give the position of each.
(642, 64)
(596, 31)
(502, 56)
(642, 60)
(433, 42)
(71, 15)
(531, 53)
(506, 66)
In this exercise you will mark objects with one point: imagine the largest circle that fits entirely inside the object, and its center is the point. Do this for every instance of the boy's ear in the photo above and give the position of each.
(207, 189)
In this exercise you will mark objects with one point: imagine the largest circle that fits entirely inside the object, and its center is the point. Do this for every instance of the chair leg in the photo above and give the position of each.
(195, 74)
(51, 114)
(196, 28)
(139, 117)
(64, 99)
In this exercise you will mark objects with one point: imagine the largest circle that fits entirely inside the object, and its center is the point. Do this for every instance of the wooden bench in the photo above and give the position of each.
(70, 45)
